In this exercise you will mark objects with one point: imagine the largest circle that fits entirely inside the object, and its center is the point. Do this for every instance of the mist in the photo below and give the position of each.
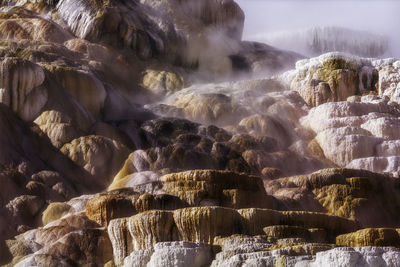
(264, 17)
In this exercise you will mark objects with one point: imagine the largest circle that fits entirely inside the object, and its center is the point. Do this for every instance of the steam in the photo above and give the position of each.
(376, 17)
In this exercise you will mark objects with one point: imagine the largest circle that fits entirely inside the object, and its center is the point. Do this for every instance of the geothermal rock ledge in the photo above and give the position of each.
(147, 133)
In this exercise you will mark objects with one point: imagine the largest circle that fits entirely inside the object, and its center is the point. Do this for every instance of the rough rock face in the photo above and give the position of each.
(103, 209)
(180, 31)
(20, 87)
(357, 134)
(118, 149)
(262, 115)
(223, 188)
(59, 127)
(366, 256)
(370, 237)
(172, 254)
(177, 145)
(72, 239)
(93, 153)
(332, 77)
(83, 86)
(132, 236)
(389, 78)
(342, 192)
(20, 23)
(162, 83)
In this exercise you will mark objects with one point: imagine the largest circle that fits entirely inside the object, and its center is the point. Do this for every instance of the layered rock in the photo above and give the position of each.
(223, 188)
(357, 134)
(175, 145)
(187, 193)
(202, 188)
(341, 192)
(365, 256)
(93, 153)
(71, 239)
(20, 87)
(165, 28)
(83, 86)
(181, 254)
(103, 209)
(332, 77)
(370, 237)
(259, 108)
(389, 78)
(55, 211)
(21, 23)
(59, 127)
(139, 233)
(162, 83)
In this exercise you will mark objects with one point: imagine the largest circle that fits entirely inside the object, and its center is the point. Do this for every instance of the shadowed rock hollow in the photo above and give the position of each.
(147, 132)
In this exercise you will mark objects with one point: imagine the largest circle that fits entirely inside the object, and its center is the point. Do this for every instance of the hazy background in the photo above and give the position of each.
(375, 16)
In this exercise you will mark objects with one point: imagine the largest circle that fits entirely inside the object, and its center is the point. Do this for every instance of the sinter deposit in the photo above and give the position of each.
(148, 133)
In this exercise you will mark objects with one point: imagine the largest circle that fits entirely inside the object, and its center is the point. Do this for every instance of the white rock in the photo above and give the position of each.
(357, 257)
(180, 254)
(376, 164)
(138, 258)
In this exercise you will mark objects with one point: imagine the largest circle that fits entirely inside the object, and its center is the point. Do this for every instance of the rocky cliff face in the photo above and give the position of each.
(146, 132)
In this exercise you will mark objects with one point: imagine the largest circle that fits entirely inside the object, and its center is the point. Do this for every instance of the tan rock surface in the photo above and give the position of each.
(370, 237)
(55, 211)
(99, 156)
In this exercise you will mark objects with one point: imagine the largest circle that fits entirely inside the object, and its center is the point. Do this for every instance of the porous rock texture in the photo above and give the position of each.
(342, 192)
(332, 77)
(145, 132)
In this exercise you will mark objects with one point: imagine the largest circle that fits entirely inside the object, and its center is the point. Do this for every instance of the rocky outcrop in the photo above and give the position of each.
(139, 233)
(59, 127)
(332, 77)
(184, 146)
(222, 188)
(342, 192)
(357, 134)
(389, 78)
(20, 87)
(201, 188)
(103, 209)
(261, 109)
(68, 237)
(370, 237)
(207, 108)
(286, 231)
(99, 156)
(162, 83)
(365, 256)
(153, 28)
(205, 223)
(116, 95)
(181, 254)
(83, 86)
(24, 24)
(55, 211)
(172, 254)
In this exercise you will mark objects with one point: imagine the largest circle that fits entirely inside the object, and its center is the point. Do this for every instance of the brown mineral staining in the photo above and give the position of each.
(103, 209)
(381, 237)
(54, 212)
(147, 133)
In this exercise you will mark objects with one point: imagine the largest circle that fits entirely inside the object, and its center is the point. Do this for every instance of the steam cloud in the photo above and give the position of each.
(375, 16)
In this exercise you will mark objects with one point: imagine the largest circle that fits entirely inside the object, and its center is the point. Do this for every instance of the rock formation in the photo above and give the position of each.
(147, 133)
